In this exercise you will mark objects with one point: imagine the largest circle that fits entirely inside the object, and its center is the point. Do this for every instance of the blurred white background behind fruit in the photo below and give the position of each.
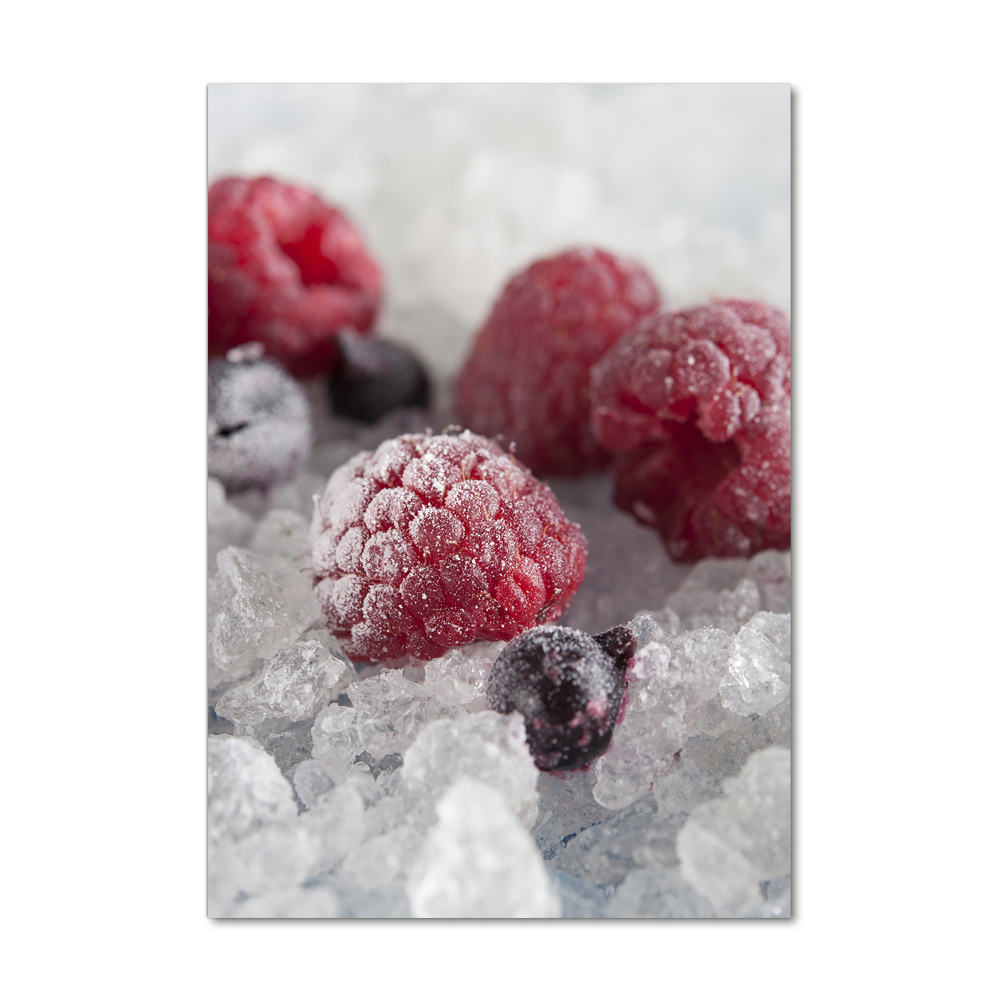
(457, 186)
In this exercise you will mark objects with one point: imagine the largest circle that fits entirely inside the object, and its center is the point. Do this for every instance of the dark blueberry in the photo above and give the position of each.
(372, 377)
(259, 422)
(568, 686)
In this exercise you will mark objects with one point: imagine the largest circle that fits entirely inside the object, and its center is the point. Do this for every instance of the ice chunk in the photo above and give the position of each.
(648, 629)
(727, 593)
(658, 894)
(270, 860)
(220, 681)
(730, 845)
(776, 902)
(759, 665)
(777, 628)
(705, 599)
(335, 740)
(727, 754)
(716, 718)
(486, 746)
(337, 748)
(772, 572)
(459, 677)
(335, 825)
(714, 576)
(227, 524)
(566, 807)
(387, 901)
(382, 859)
(392, 710)
(295, 684)
(301, 902)
(707, 759)
(330, 644)
(668, 688)
(411, 669)
(254, 843)
(311, 780)
(256, 605)
(578, 897)
(246, 791)
(689, 784)
(283, 533)
(479, 862)
(641, 836)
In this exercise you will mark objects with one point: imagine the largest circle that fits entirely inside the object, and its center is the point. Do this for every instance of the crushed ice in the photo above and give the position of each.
(346, 791)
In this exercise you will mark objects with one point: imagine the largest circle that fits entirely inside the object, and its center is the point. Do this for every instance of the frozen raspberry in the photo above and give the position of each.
(375, 376)
(429, 543)
(259, 421)
(569, 688)
(286, 270)
(528, 376)
(700, 402)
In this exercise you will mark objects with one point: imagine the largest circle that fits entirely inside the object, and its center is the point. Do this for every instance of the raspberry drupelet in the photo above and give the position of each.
(286, 270)
(699, 401)
(432, 542)
(527, 378)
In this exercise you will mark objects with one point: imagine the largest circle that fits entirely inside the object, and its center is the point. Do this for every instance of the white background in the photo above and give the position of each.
(895, 435)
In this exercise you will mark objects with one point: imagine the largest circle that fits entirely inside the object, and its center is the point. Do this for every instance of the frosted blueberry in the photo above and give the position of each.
(373, 377)
(259, 422)
(568, 686)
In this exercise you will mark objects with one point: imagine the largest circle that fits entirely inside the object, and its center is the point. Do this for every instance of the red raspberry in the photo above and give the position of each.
(528, 376)
(286, 270)
(432, 542)
(700, 402)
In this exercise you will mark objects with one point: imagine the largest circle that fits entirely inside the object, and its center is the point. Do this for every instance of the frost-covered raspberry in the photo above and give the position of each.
(700, 402)
(259, 422)
(375, 376)
(286, 270)
(429, 543)
(569, 688)
(527, 378)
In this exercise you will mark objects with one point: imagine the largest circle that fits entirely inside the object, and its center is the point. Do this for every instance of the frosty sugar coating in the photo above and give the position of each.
(432, 542)
(286, 270)
(527, 377)
(568, 686)
(259, 422)
(699, 402)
